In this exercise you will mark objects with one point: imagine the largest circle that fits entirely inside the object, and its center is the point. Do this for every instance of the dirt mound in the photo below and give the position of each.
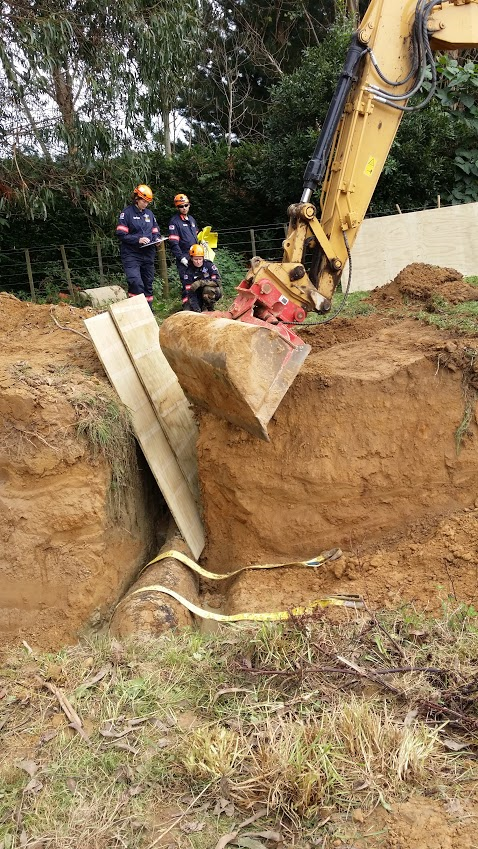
(373, 447)
(422, 282)
(72, 532)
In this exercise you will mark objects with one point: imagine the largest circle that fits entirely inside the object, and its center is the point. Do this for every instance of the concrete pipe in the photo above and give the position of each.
(151, 613)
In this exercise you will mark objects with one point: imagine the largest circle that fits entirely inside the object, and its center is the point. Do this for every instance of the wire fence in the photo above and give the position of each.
(39, 270)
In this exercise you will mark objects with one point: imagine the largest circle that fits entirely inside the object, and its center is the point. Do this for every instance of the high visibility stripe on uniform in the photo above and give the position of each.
(155, 230)
(174, 238)
(123, 228)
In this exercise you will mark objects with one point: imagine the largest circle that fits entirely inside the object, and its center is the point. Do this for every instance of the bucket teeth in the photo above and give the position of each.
(237, 371)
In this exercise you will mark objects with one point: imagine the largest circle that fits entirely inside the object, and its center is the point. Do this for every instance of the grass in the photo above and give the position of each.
(459, 318)
(106, 425)
(193, 734)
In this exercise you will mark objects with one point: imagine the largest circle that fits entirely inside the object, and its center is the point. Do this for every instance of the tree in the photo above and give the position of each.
(95, 69)
(457, 92)
(251, 44)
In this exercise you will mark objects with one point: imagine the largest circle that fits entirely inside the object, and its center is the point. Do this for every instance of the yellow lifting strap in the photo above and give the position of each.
(353, 601)
(332, 554)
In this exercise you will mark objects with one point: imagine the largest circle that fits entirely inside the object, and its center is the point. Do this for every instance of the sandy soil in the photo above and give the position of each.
(363, 455)
(64, 559)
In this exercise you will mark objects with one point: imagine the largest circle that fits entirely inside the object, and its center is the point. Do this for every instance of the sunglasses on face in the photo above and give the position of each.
(183, 205)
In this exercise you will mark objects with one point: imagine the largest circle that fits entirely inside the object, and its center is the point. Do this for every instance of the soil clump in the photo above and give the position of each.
(421, 282)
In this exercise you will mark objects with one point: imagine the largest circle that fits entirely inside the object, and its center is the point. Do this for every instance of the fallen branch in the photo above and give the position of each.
(71, 330)
(465, 720)
(364, 673)
(68, 710)
(334, 670)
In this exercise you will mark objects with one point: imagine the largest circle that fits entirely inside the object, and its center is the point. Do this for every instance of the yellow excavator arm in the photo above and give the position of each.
(239, 364)
(386, 64)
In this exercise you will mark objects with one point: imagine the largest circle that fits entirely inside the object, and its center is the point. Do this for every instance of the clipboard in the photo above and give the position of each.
(156, 242)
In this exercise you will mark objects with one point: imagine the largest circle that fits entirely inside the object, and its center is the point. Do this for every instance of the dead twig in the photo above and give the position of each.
(462, 718)
(384, 631)
(364, 673)
(338, 670)
(68, 710)
(71, 330)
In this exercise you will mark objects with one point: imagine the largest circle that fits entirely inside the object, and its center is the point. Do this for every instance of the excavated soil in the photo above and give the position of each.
(67, 549)
(364, 455)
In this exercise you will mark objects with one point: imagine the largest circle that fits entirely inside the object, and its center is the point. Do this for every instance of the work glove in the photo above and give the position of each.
(184, 261)
(212, 289)
(211, 293)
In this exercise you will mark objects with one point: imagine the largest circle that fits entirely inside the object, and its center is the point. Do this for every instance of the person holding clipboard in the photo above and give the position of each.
(138, 232)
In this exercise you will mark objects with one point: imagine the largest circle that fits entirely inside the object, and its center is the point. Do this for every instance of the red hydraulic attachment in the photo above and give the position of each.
(262, 303)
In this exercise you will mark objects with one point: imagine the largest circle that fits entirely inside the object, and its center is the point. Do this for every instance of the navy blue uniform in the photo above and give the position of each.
(138, 261)
(183, 232)
(201, 287)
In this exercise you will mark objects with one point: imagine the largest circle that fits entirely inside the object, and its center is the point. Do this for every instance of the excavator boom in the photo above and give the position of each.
(238, 364)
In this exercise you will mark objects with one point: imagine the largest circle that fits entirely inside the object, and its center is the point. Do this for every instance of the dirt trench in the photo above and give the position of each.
(72, 536)
(366, 453)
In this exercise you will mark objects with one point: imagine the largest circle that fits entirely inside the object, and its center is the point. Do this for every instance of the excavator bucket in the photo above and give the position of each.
(238, 371)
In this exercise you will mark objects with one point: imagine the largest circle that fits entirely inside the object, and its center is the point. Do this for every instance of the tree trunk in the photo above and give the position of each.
(64, 99)
(166, 132)
(229, 115)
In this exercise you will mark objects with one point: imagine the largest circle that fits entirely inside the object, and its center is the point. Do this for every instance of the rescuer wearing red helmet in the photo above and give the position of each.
(138, 232)
(201, 282)
(183, 232)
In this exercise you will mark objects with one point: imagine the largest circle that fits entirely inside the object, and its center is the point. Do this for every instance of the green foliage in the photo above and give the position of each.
(100, 67)
(299, 102)
(420, 164)
(232, 268)
(77, 197)
(458, 96)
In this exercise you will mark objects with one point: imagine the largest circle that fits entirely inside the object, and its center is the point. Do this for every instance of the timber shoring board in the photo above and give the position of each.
(159, 455)
(445, 236)
(140, 334)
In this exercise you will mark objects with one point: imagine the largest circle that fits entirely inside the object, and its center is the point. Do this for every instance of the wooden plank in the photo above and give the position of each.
(140, 334)
(444, 237)
(162, 462)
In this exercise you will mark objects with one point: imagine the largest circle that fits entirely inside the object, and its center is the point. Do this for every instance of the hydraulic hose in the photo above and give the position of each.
(316, 167)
